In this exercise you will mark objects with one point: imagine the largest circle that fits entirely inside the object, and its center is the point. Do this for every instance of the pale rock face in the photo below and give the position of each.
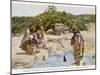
(56, 45)
(23, 61)
(26, 61)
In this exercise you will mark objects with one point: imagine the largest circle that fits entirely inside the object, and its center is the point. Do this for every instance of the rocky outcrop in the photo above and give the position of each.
(53, 45)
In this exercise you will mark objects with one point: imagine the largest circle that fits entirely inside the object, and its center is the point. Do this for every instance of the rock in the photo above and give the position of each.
(22, 62)
(50, 31)
(41, 56)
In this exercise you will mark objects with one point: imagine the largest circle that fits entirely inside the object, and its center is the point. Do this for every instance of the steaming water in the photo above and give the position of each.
(56, 60)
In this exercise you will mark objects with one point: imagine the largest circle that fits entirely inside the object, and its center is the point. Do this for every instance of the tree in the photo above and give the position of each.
(49, 18)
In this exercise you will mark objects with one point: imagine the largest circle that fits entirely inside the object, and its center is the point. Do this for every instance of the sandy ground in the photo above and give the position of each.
(56, 44)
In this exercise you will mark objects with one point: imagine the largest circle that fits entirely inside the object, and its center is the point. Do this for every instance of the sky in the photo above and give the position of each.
(33, 9)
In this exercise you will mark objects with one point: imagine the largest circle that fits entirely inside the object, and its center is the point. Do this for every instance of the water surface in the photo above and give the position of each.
(56, 60)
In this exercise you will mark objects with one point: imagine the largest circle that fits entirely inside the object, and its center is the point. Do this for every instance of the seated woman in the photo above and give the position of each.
(27, 43)
(26, 35)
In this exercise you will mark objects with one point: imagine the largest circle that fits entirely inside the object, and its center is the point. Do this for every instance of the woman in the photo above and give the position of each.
(26, 35)
(78, 46)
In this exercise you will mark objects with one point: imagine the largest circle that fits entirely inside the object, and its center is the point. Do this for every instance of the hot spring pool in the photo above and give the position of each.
(56, 60)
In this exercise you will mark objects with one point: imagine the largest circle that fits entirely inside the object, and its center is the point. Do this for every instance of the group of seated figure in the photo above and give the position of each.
(34, 41)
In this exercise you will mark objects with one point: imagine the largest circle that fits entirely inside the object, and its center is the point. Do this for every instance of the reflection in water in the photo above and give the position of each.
(56, 60)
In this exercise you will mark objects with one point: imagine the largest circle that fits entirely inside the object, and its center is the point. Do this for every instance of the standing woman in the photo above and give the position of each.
(78, 47)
